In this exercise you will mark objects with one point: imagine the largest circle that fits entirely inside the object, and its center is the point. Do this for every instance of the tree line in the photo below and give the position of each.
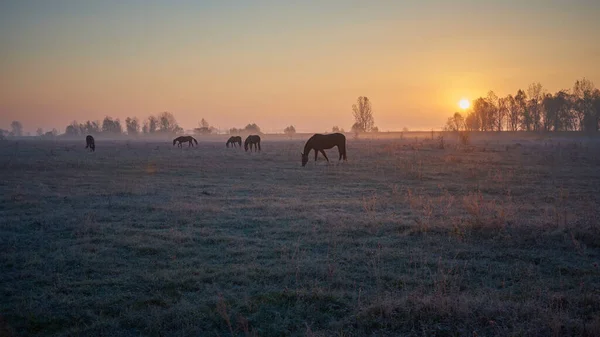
(162, 123)
(576, 109)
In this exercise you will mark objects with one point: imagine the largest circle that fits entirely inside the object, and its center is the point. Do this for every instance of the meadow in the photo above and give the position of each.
(410, 237)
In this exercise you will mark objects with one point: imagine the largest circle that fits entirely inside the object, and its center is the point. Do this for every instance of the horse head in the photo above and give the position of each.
(304, 159)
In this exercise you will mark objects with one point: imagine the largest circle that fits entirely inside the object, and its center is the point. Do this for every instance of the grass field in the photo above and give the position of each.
(498, 238)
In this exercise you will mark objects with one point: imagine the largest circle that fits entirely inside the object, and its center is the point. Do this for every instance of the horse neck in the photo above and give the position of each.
(308, 146)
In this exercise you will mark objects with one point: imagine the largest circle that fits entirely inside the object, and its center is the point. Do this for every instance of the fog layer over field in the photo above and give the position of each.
(413, 236)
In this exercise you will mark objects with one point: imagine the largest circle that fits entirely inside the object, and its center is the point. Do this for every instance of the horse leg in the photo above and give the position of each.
(316, 154)
(324, 155)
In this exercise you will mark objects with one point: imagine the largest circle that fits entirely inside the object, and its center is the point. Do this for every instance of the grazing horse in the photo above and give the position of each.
(184, 139)
(89, 143)
(320, 142)
(234, 139)
(252, 140)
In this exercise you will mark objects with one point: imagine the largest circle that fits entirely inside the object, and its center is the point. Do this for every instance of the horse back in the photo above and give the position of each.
(323, 142)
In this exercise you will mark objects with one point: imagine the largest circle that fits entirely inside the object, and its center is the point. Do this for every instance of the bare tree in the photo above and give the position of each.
(132, 125)
(168, 123)
(363, 115)
(203, 128)
(583, 94)
(39, 132)
(252, 128)
(492, 111)
(536, 95)
(152, 124)
(512, 111)
(110, 125)
(203, 123)
(16, 129)
(290, 130)
(502, 113)
(524, 116)
(455, 123)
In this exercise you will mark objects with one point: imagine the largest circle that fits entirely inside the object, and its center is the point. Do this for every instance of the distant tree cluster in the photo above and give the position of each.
(204, 128)
(577, 109)
(290, 130)
(163, 123)
(250, 128)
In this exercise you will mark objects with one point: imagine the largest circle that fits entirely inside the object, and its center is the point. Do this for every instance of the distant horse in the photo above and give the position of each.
(252, 140)
(233, 140)
(320, 142)
(89, 143)
(184, 139)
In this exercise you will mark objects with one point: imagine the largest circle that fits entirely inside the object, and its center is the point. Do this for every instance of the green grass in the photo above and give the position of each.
(403, 239)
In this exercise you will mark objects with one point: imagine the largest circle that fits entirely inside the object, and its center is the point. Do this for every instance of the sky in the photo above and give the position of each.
(280, 63)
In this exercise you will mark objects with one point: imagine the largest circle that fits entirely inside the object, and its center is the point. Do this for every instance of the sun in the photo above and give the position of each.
(464, 103)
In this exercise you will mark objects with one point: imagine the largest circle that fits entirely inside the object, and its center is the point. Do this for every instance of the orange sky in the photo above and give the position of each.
(274, 64)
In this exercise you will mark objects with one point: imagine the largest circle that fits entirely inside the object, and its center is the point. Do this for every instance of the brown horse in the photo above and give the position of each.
(319, 142)
(252, 140)
(233, 140)
(89, 143)
(184, 139)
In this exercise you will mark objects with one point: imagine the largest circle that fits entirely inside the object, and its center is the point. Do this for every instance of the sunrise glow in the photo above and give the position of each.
(464, 103)
(265, 63)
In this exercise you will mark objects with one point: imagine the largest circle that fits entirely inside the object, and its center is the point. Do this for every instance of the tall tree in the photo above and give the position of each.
(481, 113)
(524, 116)
(290, 130)
(492, 111)
(16, 128)
(252, 128)
(72, 129)
(363, 114)
(203, 123)
(203, 128)
(132, 125)
(536, 95)
(455, 123)
(112, 126)
(152, 124)
(583, 93)
(512, 113)
(167, 123)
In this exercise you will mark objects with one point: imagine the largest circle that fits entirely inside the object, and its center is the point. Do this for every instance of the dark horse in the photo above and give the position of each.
(252, 140)
(234, 139)
(320, 142)
(184, 139)
(89, 143)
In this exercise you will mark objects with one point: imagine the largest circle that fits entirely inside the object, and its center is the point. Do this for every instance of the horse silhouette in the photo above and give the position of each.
(319, 142)
(183, 139)
(233, 140)
(89, 143)
(252, 140)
